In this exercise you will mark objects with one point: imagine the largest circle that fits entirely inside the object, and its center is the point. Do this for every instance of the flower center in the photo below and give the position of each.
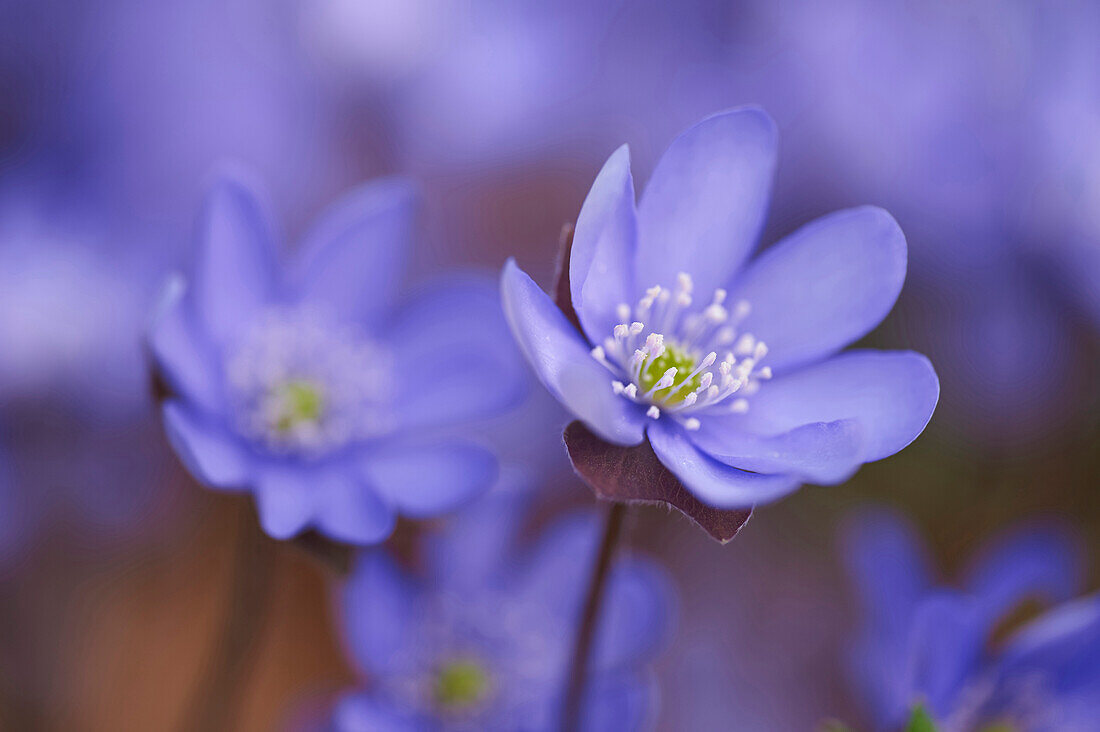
(298, 384)
(296, 403)
(673, 358)
(670, 367)
(460, 685)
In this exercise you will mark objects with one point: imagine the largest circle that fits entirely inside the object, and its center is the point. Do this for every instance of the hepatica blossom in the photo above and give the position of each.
(942, 649)
(729, 368)
(310, 386)
(482, 639)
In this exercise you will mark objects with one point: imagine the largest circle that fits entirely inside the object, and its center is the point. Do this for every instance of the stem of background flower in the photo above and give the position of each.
(223, 679)
(582, 649)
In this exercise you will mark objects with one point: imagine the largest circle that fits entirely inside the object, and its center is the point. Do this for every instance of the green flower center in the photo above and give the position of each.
(460, 685)
(300, 402)
(655, 368)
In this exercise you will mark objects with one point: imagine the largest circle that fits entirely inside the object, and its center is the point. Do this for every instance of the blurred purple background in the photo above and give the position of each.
(976, 123)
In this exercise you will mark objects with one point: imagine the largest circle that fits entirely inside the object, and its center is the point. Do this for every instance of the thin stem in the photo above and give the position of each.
(582, 648)
(224, 677)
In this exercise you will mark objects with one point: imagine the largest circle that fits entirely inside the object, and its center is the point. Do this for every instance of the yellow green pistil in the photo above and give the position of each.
(301, 402)
(460, 685)
(655, 368)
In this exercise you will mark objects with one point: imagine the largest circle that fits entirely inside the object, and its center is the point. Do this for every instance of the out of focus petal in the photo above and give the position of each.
(353, 259)
(563, 362)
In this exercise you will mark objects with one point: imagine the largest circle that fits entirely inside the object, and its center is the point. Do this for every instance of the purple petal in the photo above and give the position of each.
(601, 261)
(889, 564)
(285, 499)
(235, 270)
(619, 701)
(353, 258)
(422, 481)
(823, 452)
(712, 482)
(182, 358)
(213, 456)
(563, 362)
(703, 208)
(364, 712)
(378, 609)
(637, 615)
(824, 286)
(350, 510)
(945, 644)
(453, 347)
(891, 394)
(1037, 562)
(476, 544)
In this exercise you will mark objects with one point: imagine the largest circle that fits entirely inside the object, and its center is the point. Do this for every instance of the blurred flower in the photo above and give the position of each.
(70, 310)
(73, 289)
(482, 641)
(138, 82)
(309, 387)
(923, 644)
(695, 377)
(976, 151)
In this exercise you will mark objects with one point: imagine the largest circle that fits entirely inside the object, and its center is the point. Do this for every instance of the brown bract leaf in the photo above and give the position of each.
(635, 475)
(563, 297)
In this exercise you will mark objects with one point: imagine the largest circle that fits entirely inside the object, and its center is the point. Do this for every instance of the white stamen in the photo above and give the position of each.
(717, 360)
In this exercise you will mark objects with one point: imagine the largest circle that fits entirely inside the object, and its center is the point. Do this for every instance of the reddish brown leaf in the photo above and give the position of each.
(635, 475)
(563, 297)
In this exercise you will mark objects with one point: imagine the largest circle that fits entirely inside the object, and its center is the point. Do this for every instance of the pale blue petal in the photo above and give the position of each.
(638, 614)
(215, 457)
(601, 263)
(427, 480)
(619, 702)
(348, 509)
(945, 646)
(825, 453)
(702, 210)
(353, 258)
(824, 286)
(378, 609)
(563, 361)
(555, 573)
(889, 564)
(235, 269)
(455, 357)
(891, 394)
(709, 480)
(1061, 646)
(363, 712)
(474, 548)
(182, 357)
(285, 499)
(1031, 563)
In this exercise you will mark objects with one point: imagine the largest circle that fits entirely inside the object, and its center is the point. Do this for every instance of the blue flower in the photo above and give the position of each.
(730, 370)
(937, 646)
(482, 640)
(309, 386)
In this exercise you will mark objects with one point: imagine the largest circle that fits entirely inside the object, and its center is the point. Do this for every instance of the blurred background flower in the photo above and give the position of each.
(974, 123)
(483, 639)
(976, 657)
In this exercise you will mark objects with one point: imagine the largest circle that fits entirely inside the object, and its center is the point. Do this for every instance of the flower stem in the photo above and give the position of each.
(223, 679)
(582, 648)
